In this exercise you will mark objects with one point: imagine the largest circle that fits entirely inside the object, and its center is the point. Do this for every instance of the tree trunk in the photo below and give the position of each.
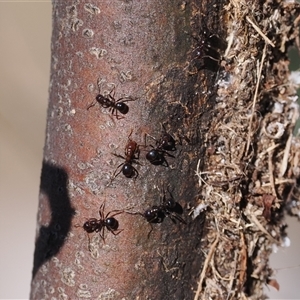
(231, 114)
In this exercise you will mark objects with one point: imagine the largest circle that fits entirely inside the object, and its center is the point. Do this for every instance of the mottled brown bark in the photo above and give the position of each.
(236, 144)
(144, 49)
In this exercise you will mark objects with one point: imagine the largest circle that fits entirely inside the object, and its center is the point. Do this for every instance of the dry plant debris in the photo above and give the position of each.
(249, 178)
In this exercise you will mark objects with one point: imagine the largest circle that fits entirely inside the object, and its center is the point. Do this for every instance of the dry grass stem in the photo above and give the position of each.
(205, 266)
(255, 97)
(287, 149)
(271, 172)
(268, 41)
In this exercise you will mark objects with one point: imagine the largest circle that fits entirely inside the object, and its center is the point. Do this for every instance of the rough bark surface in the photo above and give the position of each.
(139, 49)
(166, 56)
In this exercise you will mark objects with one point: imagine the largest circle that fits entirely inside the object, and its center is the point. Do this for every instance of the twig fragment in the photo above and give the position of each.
(260, 32)
(255, 96)
(206, 264)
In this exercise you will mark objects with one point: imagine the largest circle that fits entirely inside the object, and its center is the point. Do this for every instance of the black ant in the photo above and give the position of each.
(205, 45)
(167, 208)
(114, 105)
(132, 153)
(207, 49)
(166, 142)
(105, 221)
(156, 156)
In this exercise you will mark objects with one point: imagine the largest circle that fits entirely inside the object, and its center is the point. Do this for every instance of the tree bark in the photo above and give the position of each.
(165, 55)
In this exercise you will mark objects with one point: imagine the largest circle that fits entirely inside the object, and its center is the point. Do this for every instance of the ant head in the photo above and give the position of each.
(105, 102)
(91, 225)
(167, 142)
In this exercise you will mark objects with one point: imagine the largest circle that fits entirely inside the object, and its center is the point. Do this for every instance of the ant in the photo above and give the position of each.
(156, 156)
(205, 45)
(114, 105)
(132, 153)
(167, 208)
(207, 49)
(106, 221)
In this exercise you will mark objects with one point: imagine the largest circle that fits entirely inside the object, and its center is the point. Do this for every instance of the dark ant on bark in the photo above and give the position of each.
(132, 153)
(167, 208)
(156, 156)
(115, 106)
(207, 49)
(107, 221)
(166, 142)
(205, 46)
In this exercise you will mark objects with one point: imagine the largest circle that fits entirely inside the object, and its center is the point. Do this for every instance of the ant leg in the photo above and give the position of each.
(131, 131)
(102, 235)
(119, 155)
(119, 117)
(164, 162)
(137, 152)
(174, 217)
(115, 232)
(115, 113)
(167, 153)
(143, 146)
(89, 243)
(117, 212)
(210, 57)
(152, 138)
(150, 230)
(91, 105)
(101, 211)
(141, 214)
(114, 174)
(164, 127)
(127, 99)
(136, 173)
(112, 96)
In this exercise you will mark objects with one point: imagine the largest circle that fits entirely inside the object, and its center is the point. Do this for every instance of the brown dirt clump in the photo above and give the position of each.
(249, 177)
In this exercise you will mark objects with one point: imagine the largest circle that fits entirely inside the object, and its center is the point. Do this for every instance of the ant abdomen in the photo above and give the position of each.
(155, 157)
(128, 170)
(112, 223)
(122, 108)
(91, 225)
(103, 101)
